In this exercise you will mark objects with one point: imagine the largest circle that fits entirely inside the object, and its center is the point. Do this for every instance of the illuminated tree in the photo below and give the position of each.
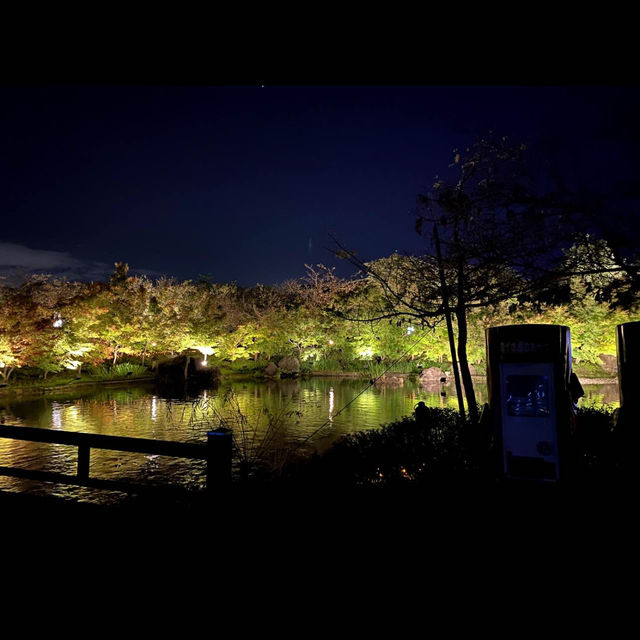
(397, 306)
(8, 358)
(120, 310)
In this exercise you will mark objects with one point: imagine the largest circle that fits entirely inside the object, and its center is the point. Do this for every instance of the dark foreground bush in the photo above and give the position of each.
(594, 439)
(399, 452)
(446, 450)
(603, 447)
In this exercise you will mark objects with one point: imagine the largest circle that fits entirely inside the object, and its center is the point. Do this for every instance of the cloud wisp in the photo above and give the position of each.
(17, 262)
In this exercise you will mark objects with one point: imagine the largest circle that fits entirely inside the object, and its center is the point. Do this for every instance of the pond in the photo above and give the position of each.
(307, 414)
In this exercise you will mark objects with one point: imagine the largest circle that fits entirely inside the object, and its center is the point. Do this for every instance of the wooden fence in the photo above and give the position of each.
(217, 452)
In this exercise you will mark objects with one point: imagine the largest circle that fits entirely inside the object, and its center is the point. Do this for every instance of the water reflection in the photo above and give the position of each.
(331, 404)
(147, 411)
(56, 415)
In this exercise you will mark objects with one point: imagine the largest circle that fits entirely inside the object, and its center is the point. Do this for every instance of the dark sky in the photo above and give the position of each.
(246, 183)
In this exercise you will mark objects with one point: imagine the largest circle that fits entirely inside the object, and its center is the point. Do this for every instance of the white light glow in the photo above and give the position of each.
(58, 322)
(56, 415)
(410, 329)
(331, 404)
(205, 351)
(154, 409)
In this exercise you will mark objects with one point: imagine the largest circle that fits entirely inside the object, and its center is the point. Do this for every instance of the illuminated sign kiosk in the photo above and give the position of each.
(528, 378)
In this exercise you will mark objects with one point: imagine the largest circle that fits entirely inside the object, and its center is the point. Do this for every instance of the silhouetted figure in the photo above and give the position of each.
(422, 414)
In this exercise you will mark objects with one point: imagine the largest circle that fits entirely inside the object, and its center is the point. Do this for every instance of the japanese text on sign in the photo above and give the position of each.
(522, 347)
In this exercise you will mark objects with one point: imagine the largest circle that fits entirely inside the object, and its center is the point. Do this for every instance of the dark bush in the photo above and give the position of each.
(399, 452)
(443, 449)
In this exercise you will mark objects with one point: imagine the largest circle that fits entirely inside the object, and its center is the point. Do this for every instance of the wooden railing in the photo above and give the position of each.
(217, 452)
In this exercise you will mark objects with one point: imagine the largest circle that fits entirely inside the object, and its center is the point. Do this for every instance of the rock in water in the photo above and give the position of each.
(431, 376)
(289, 366)
(271, 370)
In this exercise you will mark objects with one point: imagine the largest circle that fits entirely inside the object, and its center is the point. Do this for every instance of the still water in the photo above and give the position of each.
(306, 414)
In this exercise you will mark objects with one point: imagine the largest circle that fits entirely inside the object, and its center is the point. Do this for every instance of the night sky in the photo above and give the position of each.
(247, 183)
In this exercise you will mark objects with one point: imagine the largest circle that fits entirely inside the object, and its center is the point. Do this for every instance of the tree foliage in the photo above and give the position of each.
(49, 325)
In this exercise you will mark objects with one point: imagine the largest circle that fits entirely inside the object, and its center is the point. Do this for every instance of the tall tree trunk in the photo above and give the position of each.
(454, 362)
(461, 317)
(447, 315)
(115, 356)
(469, 391)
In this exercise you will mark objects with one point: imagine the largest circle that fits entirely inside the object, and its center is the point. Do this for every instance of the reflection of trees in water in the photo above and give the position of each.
(137, 410)
(598, 395)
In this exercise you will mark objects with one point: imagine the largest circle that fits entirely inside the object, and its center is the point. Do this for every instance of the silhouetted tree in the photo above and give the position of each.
(494, 232)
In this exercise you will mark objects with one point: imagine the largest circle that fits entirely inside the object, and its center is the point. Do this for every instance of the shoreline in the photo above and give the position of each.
(476, 378)
(44, 389)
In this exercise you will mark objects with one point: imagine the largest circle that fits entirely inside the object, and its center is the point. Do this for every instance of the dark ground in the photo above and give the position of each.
(547, 506)
(403, 551)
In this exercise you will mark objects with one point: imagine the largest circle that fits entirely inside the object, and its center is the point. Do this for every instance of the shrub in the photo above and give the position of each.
(397, 452)
(121, 370)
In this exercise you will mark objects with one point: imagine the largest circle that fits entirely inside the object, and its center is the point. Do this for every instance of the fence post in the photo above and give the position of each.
(219, 455)
(83, 461)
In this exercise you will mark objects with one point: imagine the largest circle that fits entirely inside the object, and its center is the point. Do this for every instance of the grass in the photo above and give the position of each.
(258, 441)
(375, 369)
(241, 367)
(121, 371)
(365, 367)
(335, 365)
(55, 380)
(259, 446)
